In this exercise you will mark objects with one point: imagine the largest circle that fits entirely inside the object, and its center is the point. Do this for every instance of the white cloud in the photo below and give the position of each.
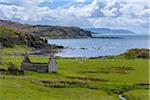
(31, 10)
(108, 14)
(131, 9)
(10, 11)
(109, 10)
(138, 25)
(144, 13)
(74, 11)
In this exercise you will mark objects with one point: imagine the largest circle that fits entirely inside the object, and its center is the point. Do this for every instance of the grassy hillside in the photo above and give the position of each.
(59, 32)
(48, 31)
(136, 53)
(132, 54)
(14, 25)
(10, 37)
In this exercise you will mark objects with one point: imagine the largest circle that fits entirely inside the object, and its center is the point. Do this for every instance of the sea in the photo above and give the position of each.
(100, 46)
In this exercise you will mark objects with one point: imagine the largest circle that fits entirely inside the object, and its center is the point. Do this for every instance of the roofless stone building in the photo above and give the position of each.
(51, 66)
(27, 65)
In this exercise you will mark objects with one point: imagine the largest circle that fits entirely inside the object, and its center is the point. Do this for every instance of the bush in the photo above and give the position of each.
(13, 70)
(136, 53)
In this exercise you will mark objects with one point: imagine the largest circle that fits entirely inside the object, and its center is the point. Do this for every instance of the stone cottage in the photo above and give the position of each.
(27, 65)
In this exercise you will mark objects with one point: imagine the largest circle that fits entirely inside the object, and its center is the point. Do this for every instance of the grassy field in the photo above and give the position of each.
(78, 79)
(139, 94)
(25, 90)
(17, 49)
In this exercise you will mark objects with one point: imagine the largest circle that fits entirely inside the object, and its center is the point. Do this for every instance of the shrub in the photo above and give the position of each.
(13, 70)
(136, 53)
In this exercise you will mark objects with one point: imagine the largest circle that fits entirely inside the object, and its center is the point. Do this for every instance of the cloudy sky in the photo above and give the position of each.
(124, 14)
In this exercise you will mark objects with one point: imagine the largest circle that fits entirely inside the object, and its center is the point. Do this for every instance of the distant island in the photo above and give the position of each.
(107, 30)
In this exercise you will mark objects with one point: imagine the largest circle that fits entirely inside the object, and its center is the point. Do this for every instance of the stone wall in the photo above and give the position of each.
(38, 67)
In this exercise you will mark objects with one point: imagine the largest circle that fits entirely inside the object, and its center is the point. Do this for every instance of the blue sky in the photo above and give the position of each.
(124, 14)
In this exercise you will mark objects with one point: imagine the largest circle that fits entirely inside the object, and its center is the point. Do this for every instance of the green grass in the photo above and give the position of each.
(16, 49)
(139, 94)
(137, 70)
(24, 90)
(82, 79)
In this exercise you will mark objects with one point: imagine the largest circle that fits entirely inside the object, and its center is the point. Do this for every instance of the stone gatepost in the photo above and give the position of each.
(26, 58)
(52, 66)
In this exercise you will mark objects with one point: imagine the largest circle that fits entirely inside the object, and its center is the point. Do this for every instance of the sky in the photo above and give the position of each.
(115, 14)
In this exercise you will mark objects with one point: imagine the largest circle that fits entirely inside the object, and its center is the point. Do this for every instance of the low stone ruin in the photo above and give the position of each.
(27, 65)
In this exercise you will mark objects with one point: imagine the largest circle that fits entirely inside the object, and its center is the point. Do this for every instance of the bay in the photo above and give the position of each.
(94, 47)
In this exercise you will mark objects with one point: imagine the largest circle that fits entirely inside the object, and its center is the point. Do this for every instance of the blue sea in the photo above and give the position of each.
(94, 47)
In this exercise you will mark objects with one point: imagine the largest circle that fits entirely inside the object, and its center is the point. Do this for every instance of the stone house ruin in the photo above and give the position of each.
(27, 65)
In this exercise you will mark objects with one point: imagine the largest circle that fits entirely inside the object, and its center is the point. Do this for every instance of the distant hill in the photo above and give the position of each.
(59, 32)
(107, 30)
